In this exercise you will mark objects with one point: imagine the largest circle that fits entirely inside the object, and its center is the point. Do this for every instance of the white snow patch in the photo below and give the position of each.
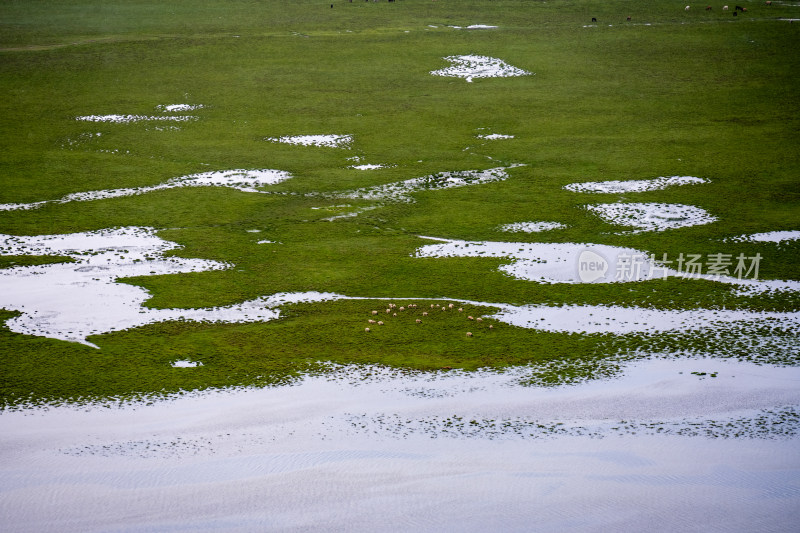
(617, 186)
(531, 227)
(473, 27)
(239, 179)
(653, 216)
(367, 167)
(329, 141)
(769, 236)
(173, 108)
(72, 301)
(186, 364)
(495, 136)
(473, 66)
(127, 119)
(401, 191)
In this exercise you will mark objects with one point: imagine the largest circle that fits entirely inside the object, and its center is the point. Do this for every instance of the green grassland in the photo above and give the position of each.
(671, 92)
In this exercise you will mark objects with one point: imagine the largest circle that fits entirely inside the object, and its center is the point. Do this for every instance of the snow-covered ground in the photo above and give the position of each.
(324, 140)
(618, 186)
(653, 216)
(531, 227)
(240, 179)
(470, 67)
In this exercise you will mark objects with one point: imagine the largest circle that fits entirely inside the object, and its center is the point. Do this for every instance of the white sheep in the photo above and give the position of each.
(380, 322)
(419, 321)
(451, 306)
(479, 319)
(366, 329)
(469, 334)
(470, 318)
(686, 8)
(424, 313)
(374, 312)
(371, 321)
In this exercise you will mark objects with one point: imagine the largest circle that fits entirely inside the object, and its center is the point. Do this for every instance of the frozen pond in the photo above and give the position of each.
(427, 452)
(74, 300)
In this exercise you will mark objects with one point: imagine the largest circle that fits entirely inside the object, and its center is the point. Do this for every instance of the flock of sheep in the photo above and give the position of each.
(725, 8)
(393, 310)
(736, 9)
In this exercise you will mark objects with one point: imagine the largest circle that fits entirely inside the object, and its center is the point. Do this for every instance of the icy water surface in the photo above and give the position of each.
(665, 447)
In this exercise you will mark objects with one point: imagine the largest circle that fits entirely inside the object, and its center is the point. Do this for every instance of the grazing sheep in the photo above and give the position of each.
(433, 305)
(724, 8)
(424, 313)
(451, 306)
(768, 2)
(708, 8)
(380, 323)
(419, 321)
(371, 321)
(402, 309)
(366, 329)
(491, 326)
(469, 334)
(629, 18)
(478, 319)
(460, 309)
(444, 308)
(374, 312)
(388, 311)
(470, 318)
(394, 314)
(686, 8)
